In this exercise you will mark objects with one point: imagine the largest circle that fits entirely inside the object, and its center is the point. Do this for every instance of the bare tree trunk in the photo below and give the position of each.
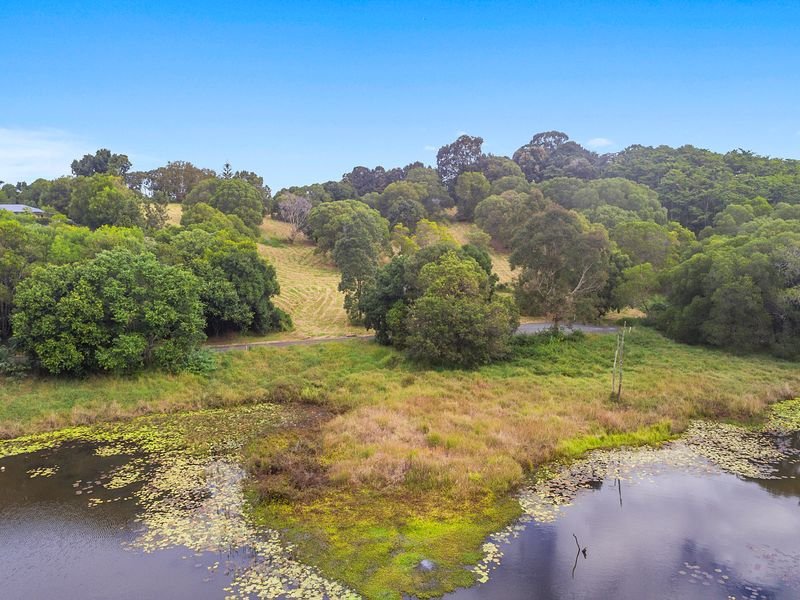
(621, 362)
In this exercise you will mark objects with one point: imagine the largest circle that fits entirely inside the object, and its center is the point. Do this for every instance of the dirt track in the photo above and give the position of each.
(525, 328)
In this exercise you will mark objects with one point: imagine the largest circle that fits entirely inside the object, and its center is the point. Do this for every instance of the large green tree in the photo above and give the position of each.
(356, 236)
(116, 312)
(564, 264)
(101, 162)
(232, 196)
(457, 321)
(457, 157)
(470, 189)
(104, 200)
(236, 284)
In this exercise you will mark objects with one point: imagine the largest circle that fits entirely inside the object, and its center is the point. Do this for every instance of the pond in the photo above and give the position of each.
(154, 508)
(128, 516)
(66, 535)
(668, 524)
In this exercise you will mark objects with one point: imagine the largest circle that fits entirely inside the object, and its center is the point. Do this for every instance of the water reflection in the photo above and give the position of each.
(54, 545)
(670, 531)
(676, 534)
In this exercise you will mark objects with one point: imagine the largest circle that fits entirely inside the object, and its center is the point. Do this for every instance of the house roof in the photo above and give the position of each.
(21, 208)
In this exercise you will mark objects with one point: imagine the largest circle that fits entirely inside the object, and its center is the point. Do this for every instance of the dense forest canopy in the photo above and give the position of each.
(707, 244)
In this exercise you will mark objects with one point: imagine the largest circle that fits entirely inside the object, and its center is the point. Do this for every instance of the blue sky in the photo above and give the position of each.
(303, 91)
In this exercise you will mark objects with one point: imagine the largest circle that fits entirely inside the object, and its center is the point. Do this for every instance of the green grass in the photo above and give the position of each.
(421, 463)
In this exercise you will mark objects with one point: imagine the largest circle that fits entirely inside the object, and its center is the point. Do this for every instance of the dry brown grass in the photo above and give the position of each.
(309, 285)
(500, 264)
(174, 212)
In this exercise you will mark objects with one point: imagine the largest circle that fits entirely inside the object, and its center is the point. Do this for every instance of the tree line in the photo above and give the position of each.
(706, 244)
(102, 283)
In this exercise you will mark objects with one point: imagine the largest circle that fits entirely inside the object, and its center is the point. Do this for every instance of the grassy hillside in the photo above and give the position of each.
(309, 282)
(309, 285)
(461, 231)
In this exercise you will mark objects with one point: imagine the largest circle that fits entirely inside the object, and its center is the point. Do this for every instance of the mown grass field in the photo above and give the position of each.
(420, 463)
(309, 286)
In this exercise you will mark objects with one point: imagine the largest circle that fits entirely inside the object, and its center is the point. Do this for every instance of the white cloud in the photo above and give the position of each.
(429, 148)
(599, 142)
(27, 154)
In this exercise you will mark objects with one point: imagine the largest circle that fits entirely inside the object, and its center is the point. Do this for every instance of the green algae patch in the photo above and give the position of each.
(784, 416)
(203, 431)
(646, 436)
(376, 543)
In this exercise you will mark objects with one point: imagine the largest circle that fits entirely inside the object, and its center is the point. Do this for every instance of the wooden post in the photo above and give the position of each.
(621, 361)
(614, 370)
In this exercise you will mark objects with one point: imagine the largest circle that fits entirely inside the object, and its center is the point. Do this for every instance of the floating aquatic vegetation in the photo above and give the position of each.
(191, 493)
(784, 417)
(114, 450)
(198, 502)
(707, 447)
(714, 576)
(127, 474)
(42, 472)
(40, 441)
(735, 449)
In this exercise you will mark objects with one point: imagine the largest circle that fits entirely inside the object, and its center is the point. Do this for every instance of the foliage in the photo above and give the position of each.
(356, 236)
(232, 196)
(100, 163)
(455, 322)
(564, 264)
(235, 284)
(449, 316)
(739, 292)
(633, 201)
(460, 156)
(401, 203)
(648, 242)
(498, 167)
(435, 198)
(470, 189)
(174, 180)
(100, 199)
(550, 154)
(52, 195)
(694, 185)
(327, 222)
(116, 312)
(501, 215)
(637, 286)
(205, 217)
(364, 180)
(22, 245)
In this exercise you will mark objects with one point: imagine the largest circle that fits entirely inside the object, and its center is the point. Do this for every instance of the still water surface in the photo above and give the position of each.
(54, 545)
(677, 534)
(672, 534)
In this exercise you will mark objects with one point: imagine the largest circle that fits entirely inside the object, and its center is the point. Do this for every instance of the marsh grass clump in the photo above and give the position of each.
(286, 466)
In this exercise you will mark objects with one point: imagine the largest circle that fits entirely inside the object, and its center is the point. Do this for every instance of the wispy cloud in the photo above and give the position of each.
(429, 148)
(26, 154)
(599, 142)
